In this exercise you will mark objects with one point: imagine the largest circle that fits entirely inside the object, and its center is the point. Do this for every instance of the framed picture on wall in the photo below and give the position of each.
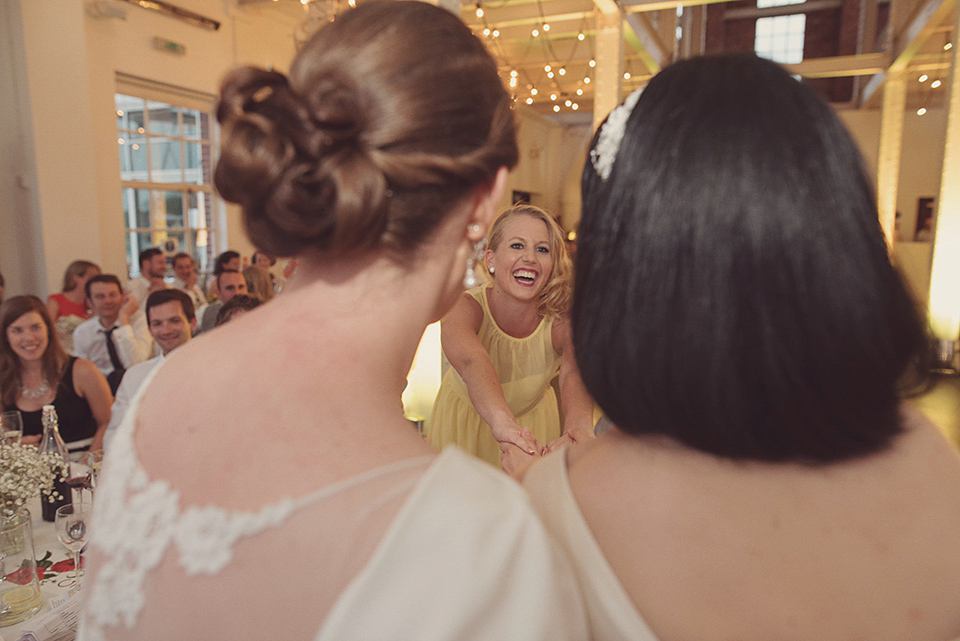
(924, 231)
(520, 197)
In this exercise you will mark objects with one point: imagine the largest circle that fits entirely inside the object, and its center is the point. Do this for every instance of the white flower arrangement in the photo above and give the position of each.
(25, 473)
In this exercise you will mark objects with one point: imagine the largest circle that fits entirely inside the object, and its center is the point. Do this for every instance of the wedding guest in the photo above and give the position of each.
(186, 278)
(153, 267)
(258, 283)
(116, 338)
(237, 306)
(737, 317)
(171, 320)
(506, 341)
(35, 371)
(230, 283)
(266, 261)
(2, 283)
(69, 307)
(283, 492)
(226, 261)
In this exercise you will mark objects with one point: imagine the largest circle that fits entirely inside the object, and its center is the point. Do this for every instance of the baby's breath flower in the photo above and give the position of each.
(25, 473)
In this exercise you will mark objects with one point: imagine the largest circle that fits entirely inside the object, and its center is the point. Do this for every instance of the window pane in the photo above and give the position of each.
(761, 4)
(172, 214)
(129, 112)
(133, 157)
(136, 207)
(193, 164)
(163, 119)
(165, 161)
(780, 38)
(191, 123)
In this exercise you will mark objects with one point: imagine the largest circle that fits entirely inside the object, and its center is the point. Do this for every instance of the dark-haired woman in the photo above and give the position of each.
(506, 341)
(307, 507)
(35, 371)
(737, 317)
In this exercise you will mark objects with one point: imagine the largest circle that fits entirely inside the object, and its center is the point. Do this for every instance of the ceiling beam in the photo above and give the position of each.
(863, 64)
(639, 6)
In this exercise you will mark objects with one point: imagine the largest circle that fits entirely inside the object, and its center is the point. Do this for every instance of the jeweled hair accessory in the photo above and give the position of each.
(604, 153)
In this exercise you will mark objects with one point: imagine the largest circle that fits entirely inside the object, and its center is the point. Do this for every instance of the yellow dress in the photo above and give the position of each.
(524, 366)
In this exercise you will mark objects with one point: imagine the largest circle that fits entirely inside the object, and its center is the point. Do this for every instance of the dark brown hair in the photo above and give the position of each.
(54, 358)
(733, 288)
(391, 114)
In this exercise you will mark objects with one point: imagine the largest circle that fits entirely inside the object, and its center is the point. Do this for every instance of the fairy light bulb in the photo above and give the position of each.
(921, 111)
(579, 92)
(513, 73)
(626, 75)
(592, 63)
(534, 92)
(496, 33)
(580, 36)
(923, 78)
(556, 108)
(586, 80)
(547, 67)
(567, 103)
(562, 71)
(948, 46)
(479, 11)
(486, 32)
(546, 27)
(574, 106)
(553, 96)
(529, 101)
(935, 84)
(535, 33)
(549, 74)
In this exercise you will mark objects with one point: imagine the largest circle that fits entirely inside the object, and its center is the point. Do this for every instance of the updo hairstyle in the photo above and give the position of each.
(555, 298)
(733, 286)
(390, 116)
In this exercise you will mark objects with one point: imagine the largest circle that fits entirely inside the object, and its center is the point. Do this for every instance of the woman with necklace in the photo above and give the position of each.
(506, 341)
(35, 371)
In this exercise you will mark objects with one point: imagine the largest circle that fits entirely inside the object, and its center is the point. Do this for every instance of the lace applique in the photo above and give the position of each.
(137, 519)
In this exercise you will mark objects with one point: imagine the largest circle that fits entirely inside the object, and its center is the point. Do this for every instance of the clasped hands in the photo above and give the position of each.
(519, 448)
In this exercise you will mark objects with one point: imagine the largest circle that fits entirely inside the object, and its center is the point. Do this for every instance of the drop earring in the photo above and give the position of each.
(470, 279)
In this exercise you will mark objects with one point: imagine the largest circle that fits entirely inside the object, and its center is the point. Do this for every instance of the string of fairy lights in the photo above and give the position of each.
(935, 83)
(557, 82)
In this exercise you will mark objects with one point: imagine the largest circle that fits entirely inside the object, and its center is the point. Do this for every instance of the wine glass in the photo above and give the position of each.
(11, 426)
(79, 472)
(73, 531)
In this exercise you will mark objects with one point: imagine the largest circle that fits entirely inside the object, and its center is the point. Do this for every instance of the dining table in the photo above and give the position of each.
(54, 572)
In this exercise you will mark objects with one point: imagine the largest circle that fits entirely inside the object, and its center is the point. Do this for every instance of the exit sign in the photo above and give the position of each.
(169, 46)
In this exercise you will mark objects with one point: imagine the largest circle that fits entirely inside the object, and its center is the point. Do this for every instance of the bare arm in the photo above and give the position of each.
(53, 308)
(467, 355)
(574, 399)
(93, 387)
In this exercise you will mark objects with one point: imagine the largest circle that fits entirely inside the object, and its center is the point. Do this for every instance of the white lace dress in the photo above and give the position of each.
(464, 557)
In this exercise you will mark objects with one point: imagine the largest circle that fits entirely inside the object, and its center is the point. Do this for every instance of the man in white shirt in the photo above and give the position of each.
(186, 279)
(109, 339)
(153, 267)
(171, 319)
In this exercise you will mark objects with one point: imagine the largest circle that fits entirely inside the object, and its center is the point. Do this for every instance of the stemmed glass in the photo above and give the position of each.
(73, 531)
(11, 427)
(79, 469)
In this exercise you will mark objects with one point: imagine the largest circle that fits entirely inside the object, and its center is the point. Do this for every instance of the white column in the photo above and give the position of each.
(945, 272)
(891, 138)
(608, 74)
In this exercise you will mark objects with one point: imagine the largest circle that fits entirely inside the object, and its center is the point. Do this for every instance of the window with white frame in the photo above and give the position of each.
(166, 142)
(780, 38)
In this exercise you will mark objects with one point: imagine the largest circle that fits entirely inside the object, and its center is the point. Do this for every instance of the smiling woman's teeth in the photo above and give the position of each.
(525, 276)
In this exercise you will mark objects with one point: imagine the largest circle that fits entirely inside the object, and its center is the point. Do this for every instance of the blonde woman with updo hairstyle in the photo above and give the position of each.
(506, 341)
(308, 507)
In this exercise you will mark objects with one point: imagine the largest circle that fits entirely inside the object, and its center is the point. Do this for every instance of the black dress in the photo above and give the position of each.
(75, 417)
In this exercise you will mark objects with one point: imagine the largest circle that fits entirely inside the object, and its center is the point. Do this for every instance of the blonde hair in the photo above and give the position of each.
(558, 292)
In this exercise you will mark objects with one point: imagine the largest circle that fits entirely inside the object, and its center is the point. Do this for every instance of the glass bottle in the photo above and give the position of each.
(53, 443)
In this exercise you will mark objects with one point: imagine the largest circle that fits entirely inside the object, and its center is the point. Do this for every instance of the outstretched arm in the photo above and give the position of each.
(467, 355)
(574, 399)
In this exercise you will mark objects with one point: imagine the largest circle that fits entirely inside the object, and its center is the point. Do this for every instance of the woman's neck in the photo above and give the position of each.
(75, 295)
(518, 318)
